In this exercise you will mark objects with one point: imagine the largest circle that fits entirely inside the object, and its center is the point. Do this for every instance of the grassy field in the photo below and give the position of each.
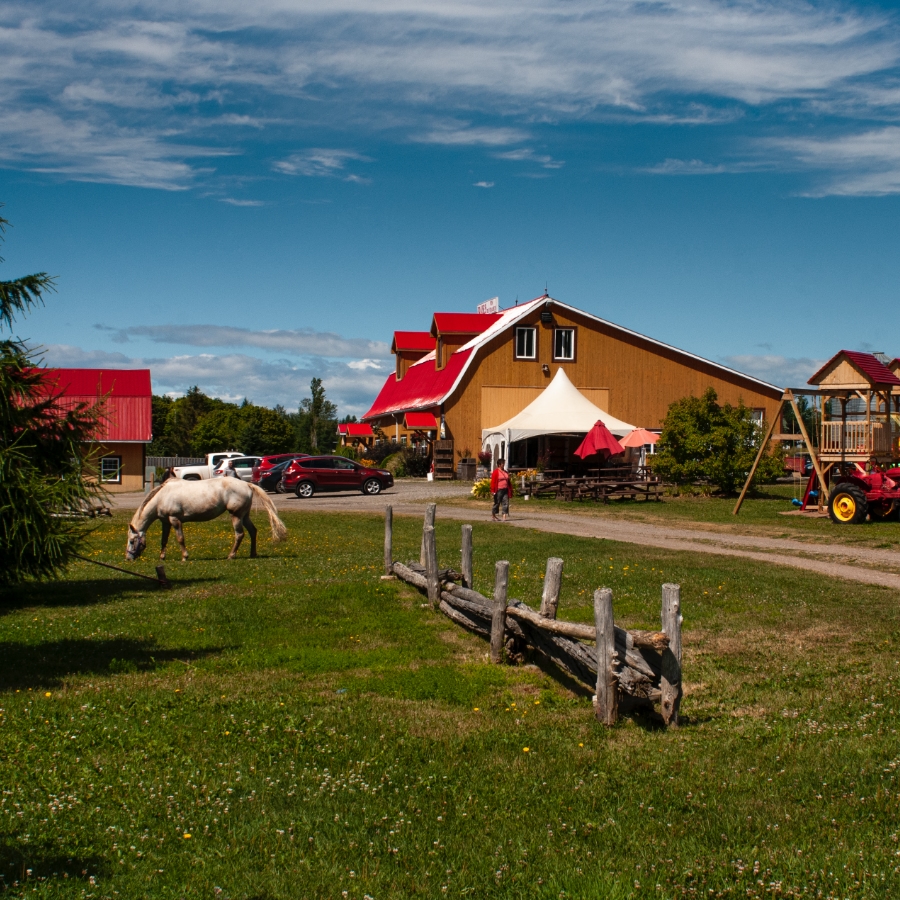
(292, 727)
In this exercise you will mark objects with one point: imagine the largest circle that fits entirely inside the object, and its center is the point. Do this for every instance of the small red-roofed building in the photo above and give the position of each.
(126, 426)
(356, 434)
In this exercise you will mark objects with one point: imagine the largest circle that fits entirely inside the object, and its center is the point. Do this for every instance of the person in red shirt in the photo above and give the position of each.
(500, 490)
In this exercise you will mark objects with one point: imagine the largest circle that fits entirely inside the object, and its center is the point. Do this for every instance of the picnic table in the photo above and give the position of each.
(606, 486)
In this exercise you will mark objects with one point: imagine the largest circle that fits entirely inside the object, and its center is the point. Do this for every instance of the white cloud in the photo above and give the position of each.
(685, 167)
(235, 376)
(300, 342)
(483, 184)
(134, 93)
(320, 163)
(360, 365)
(785, 371)
(461, 134)
(527, 155)
(861, 164)
(231, 201)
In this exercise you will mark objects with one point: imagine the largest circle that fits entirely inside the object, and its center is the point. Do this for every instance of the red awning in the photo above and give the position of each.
(423, 421)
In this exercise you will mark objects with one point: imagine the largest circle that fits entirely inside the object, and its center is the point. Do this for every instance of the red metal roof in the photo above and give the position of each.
(128, 412)
(872, 368)
(355, 429)
(422, 387)
(462, 323)
(425, 421)
(413, 340)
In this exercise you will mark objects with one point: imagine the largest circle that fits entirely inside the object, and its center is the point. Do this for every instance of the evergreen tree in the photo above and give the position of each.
(43, 451)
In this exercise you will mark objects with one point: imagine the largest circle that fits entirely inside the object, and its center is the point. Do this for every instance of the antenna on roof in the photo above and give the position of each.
(517, 299)
(546, 289)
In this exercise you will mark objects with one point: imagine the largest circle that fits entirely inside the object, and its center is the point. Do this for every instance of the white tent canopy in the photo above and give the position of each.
(560, 409)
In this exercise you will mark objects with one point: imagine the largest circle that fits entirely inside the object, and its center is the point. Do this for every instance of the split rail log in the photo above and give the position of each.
(626, 668)
(430, 512)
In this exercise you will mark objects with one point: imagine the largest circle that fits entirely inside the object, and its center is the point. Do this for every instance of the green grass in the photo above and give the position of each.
(320, 733)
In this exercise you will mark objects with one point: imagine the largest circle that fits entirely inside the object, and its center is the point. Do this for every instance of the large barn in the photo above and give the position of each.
(472, 371)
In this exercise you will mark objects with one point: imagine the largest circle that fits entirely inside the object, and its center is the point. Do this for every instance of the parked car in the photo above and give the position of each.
(270, 479)
(334, 473)
(201, 472)
(243, 465)
(266, 462)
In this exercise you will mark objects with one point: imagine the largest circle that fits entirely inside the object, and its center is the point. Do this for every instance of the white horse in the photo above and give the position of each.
(179, 501)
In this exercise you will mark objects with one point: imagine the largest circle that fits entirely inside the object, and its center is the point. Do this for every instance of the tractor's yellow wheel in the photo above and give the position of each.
(847, 504)
(844, 507)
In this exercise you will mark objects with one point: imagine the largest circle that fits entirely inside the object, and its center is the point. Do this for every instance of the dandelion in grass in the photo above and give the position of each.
(526, 749)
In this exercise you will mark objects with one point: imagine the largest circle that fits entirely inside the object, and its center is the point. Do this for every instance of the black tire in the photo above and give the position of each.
(883, 510)
(847, 504)
(191, 478)
(372, 487)
(305, 490)
(280, 488)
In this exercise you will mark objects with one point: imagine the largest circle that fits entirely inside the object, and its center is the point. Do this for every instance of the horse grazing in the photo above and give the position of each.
(178, 501)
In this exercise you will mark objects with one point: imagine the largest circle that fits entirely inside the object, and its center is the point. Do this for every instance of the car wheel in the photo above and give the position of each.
(191, 478)
(305, 490)
(280, 488)
(372, 487)
(847, 505)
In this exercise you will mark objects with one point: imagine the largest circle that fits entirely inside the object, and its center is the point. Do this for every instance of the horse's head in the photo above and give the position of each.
(137, 541)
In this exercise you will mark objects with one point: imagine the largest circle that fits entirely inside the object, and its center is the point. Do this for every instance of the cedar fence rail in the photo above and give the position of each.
(628, 669)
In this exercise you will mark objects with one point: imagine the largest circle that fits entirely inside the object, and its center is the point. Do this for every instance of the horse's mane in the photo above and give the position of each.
(146, 500)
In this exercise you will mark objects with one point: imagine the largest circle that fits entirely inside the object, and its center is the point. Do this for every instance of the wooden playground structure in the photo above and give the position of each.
(857, 405)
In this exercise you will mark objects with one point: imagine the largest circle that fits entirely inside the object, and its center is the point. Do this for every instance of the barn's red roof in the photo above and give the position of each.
(871, 367)
(413, 340)
(424, 421)
(462, 323)
(128, 405)
(422, 387)
(355, 429)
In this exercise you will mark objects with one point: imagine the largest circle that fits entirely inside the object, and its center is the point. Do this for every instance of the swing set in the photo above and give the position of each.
(857, 404)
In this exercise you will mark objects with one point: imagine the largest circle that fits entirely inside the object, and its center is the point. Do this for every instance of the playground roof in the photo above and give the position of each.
(869, 366)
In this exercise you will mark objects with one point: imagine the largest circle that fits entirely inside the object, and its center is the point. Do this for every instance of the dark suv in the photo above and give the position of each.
(333, 473)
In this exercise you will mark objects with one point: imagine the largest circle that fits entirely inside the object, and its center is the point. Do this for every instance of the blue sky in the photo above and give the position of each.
(242, 196)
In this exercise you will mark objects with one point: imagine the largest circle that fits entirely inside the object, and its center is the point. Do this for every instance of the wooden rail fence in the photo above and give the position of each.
(626, 668)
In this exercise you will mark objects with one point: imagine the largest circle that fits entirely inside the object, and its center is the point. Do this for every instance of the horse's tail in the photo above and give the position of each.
(279, 529)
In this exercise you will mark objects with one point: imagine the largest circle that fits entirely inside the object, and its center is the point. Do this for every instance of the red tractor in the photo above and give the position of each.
(857, 494)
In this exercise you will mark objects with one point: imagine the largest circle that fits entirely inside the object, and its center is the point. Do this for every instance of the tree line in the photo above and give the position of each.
(196, 424)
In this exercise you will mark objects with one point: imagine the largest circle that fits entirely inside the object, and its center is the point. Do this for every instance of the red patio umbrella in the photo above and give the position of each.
(599, 440)
(639, 437)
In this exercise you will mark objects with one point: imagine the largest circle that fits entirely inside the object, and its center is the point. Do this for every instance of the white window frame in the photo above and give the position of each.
(556, 356)
(117, 479)
(521, 329)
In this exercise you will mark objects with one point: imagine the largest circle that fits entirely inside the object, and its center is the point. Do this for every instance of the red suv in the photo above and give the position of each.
(267, 462)
(333, 473)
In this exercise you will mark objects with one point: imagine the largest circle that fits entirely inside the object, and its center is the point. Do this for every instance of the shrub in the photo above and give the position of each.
(703, 440)
(416, 465)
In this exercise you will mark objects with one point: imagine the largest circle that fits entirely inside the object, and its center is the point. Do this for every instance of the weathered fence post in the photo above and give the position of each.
(467, 556)
(429, 520)
(388, 541)
(498, 618)
(607, 708)
(670, 683)
(431, 567)
(552, 585)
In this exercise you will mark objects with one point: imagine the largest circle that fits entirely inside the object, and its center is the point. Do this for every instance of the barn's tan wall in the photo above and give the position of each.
(635, 379)
(132, 466)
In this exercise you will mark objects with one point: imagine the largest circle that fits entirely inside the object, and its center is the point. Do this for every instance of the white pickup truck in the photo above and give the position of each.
(199, 473)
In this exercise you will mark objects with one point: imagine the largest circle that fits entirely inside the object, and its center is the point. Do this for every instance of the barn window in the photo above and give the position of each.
(564, 343)
(526, 343)
(111, 469)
